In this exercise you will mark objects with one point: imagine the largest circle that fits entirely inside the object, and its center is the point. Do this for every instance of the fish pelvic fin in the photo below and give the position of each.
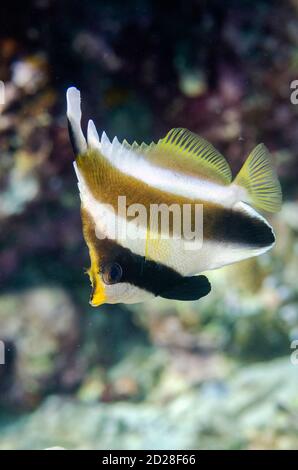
(259, 179)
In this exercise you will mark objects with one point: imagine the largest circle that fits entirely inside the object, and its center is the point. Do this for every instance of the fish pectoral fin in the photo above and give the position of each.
(259, 179)
(190, 288)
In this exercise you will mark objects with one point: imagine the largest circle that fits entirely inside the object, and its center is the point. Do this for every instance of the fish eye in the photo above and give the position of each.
(112, 273)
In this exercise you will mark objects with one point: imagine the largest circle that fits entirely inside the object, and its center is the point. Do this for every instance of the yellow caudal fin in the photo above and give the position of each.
(260, 181)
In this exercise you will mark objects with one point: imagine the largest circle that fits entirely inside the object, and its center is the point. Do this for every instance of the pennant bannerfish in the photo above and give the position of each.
(181, 170)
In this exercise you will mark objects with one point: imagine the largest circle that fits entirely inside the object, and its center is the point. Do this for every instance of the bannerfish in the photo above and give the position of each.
(180, 170)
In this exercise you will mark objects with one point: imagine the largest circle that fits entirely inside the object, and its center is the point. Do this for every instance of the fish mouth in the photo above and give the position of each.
(96, 304)
(98, 295)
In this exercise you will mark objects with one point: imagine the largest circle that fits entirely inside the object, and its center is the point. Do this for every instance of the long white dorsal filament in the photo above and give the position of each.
(74, 114)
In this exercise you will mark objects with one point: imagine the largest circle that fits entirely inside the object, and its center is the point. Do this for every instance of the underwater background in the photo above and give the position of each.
(221, 372)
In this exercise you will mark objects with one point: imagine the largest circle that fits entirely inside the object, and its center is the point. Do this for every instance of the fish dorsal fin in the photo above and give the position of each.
(74, 114)
(138, 148)
(187, 144)
(183, 150)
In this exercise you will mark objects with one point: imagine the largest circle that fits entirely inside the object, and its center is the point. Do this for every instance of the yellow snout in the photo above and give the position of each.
(98, 294)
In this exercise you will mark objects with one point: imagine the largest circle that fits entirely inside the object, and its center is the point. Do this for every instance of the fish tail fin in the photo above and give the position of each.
(260, 181)
(74, 114)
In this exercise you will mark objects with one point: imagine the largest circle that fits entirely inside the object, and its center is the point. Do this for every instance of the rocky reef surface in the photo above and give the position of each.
(253, 408)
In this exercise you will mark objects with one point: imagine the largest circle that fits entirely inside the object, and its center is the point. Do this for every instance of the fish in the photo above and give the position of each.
(182, 170)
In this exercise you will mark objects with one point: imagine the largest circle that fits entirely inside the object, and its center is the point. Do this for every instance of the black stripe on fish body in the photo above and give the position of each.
(149, 275)
(239, 227)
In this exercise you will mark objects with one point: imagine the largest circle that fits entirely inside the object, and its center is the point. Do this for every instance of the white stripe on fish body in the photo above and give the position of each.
(132, 164)
(211, 255)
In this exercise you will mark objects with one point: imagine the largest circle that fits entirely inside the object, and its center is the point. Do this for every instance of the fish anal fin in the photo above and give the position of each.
(190, 288)
(259, 179)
